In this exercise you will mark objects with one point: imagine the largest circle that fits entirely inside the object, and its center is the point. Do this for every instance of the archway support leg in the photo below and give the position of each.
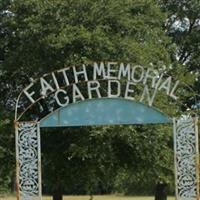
(28, 160)
(186, 153)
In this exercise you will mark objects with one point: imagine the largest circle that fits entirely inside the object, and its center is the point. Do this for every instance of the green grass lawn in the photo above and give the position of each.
(100, 197)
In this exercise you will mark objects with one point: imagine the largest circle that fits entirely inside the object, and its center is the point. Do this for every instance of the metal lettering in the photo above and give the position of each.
(173, 90)
(58, 99)
(93, 86)
(99, 70)
(111, 70)
(45, 86)
(133, 74)
(29, 95)
(78, 73)
(129, 90)
(166, 85)
(117, 83)
(77, 93)
(124, 71)
(65, 75)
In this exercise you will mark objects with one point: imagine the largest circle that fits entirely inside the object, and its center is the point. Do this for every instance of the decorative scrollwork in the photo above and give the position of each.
(186, 152)
(28, 154)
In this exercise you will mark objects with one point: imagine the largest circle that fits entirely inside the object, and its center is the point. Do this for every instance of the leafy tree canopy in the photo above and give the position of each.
(41, 36)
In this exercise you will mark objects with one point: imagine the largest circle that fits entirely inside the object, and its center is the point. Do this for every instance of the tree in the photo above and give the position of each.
(41, 36)
(184, 28)
(7, 158)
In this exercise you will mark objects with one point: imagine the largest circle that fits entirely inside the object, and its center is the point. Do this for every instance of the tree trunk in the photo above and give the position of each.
(13, 184)
(91, 197)
(57, 196)
(57, 190)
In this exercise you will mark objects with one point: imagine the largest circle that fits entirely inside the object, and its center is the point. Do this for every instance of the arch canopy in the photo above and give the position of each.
(105, 111)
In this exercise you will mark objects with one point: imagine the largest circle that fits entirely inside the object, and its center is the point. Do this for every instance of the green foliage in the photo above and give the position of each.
(125, 159)
(155, 159)
(7, 157)
(41, 36)
(184, 29)
(51, 34)
(182, 26)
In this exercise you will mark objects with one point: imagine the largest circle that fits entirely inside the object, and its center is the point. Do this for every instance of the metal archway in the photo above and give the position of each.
(112, 109)
(185, 142)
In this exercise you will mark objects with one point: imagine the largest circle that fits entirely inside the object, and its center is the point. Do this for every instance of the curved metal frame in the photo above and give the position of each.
(49, 93)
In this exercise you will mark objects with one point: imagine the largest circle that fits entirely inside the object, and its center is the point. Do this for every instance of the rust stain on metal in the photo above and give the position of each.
(16, 123)
(197, 158)
(17, 180)
(198, 178)
(17, 190)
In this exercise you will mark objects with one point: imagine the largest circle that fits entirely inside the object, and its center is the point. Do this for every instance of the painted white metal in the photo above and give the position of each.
(17, 158)
(39, 162)
(52, 86)
(175, 160)
(28, 161)
(186, 158)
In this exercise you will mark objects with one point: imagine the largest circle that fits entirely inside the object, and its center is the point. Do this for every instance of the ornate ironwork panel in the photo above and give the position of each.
(186, 158)
(28, 161)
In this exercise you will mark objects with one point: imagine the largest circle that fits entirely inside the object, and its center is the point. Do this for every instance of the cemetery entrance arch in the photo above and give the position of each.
(102, 94)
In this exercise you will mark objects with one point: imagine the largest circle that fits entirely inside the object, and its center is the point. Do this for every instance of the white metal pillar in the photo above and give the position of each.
(186, 151)
(28, 158)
